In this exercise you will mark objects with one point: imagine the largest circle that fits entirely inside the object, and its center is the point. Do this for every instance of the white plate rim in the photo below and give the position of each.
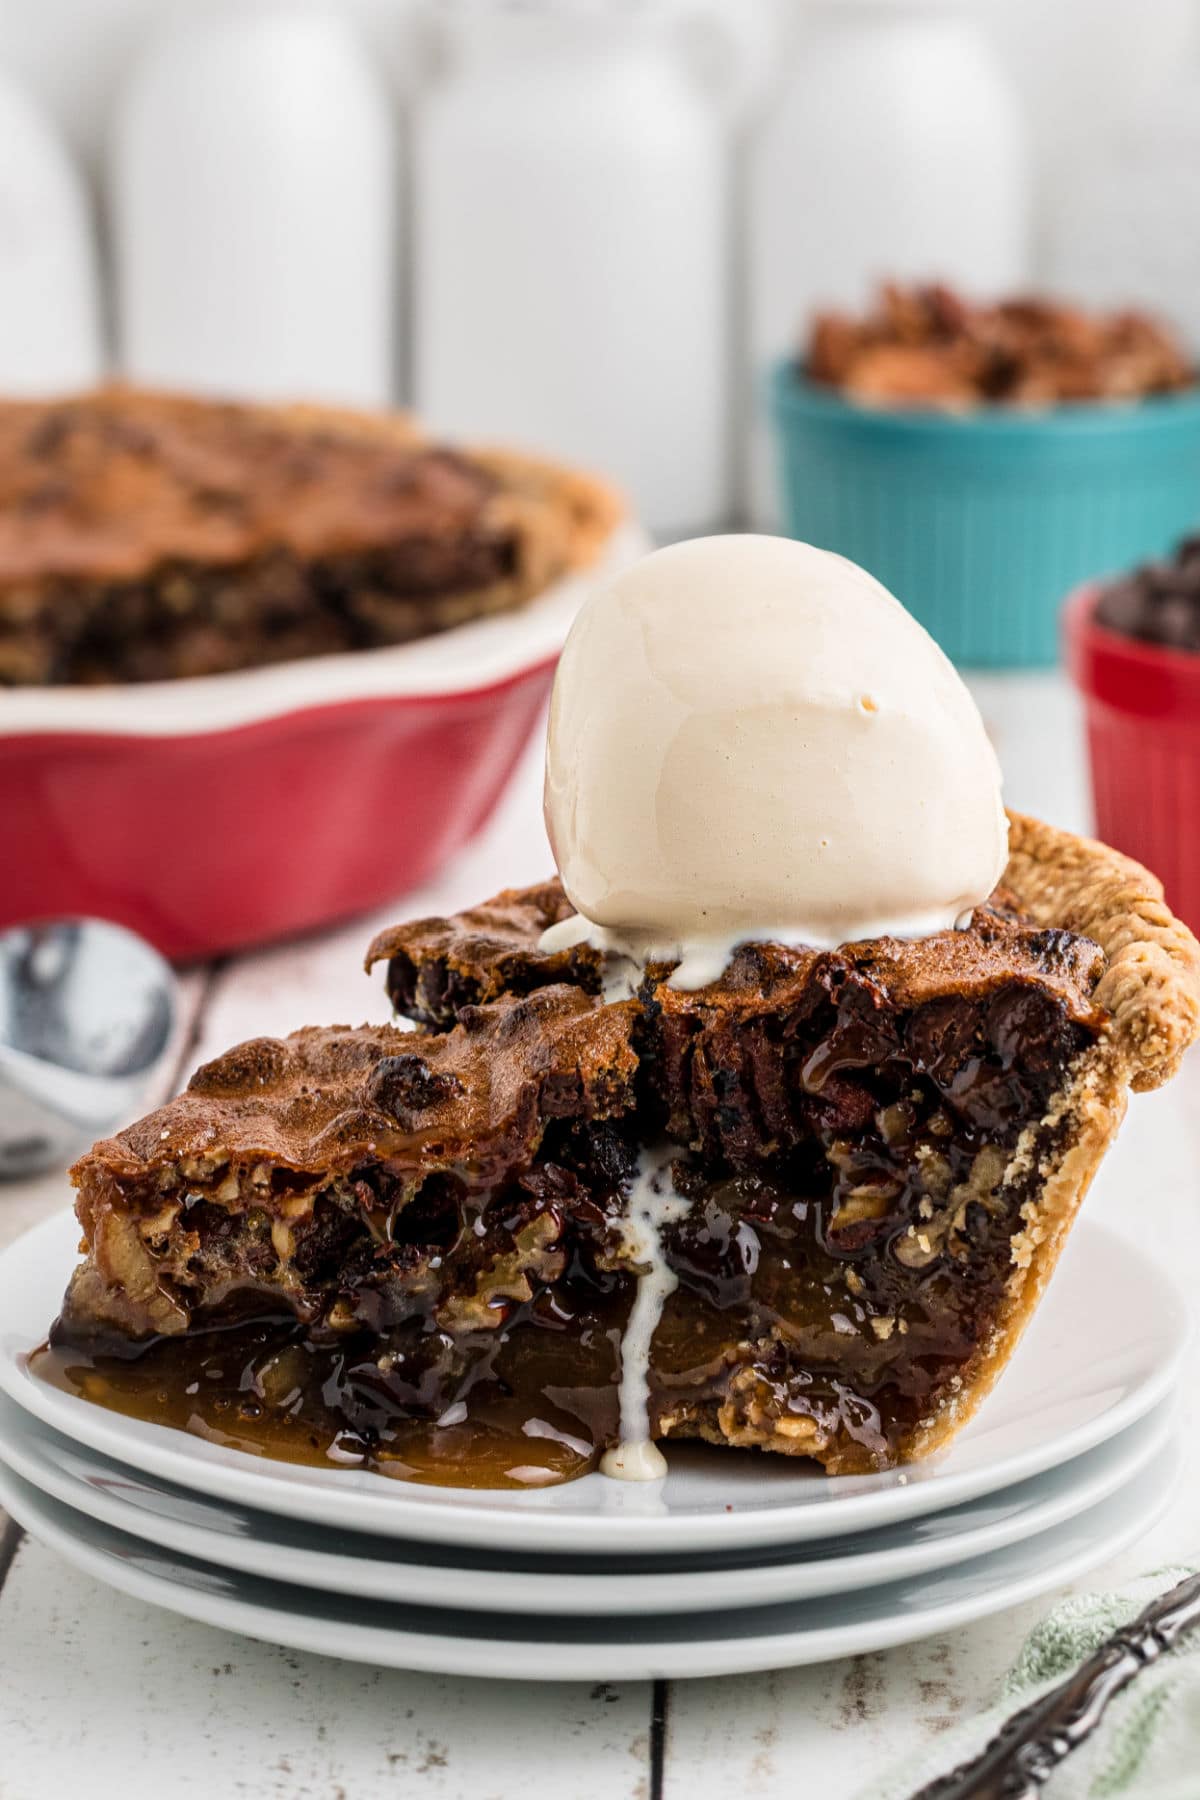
(375, 1504)
(1084, 1482)
(1023, 1572)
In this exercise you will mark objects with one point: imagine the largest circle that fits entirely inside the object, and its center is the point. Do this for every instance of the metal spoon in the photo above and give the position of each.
(1020, 1759)
(86, 1011)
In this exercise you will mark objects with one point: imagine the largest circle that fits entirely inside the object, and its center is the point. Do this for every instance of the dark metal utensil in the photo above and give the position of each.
(1029, 1747)
(86, 1011)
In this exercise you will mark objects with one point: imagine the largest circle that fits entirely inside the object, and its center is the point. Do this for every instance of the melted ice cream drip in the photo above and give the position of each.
(652, 1204)
(701, 960)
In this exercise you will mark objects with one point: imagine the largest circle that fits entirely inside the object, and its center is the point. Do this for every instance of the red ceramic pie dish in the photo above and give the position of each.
(1142, 710)
(217, 813)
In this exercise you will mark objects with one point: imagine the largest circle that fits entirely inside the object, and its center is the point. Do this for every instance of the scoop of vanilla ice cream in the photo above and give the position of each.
(749, 739)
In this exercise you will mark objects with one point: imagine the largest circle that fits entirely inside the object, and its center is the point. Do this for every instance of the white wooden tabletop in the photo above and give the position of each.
(105, 1697)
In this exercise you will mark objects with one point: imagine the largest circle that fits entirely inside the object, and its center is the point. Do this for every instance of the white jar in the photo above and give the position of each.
(255, 211)
(894, 149)
(570, 278)
(1119, 213)
(50, 337)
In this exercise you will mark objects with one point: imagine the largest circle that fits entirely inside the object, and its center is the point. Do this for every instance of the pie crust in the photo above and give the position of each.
(1150, 990)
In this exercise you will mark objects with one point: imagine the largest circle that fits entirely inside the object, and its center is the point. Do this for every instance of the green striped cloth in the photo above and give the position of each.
(1147, 1746)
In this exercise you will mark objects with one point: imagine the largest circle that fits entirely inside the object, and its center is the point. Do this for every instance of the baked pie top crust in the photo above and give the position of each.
(1148, 982)
(148, 536)
(109, 484)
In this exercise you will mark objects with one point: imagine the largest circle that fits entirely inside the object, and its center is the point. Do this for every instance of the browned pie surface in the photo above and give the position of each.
(106, 484)
(148, 536)
(324, 1100)
(436, 966)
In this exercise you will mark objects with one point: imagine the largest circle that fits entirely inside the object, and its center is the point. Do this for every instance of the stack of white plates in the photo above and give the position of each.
(736, 1561)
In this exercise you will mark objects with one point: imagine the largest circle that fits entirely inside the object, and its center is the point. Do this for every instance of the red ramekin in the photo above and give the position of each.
(1142, 706)
(217, 813)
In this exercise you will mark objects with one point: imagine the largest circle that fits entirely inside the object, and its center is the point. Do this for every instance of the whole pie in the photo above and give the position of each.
(411, 1249)
(148, 536)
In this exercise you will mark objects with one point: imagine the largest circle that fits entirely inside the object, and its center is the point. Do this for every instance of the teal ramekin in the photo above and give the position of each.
(980, 522)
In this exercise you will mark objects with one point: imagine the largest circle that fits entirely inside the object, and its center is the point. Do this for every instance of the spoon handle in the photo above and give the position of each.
(1031, 1744)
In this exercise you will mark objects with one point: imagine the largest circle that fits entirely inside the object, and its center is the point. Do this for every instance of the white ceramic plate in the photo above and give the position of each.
(590, 1649)
(254, 1543)
(1102, 1351)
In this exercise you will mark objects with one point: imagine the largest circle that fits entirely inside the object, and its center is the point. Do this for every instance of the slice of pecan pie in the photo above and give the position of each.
(421, 1243)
